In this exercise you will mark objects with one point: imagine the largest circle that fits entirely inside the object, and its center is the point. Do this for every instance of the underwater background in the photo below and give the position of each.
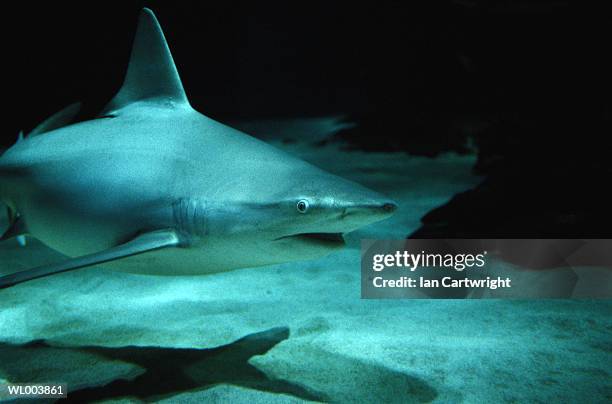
(459, 110)
(300, 331)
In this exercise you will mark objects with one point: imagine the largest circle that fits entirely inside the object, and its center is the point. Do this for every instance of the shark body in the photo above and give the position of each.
(151, 176)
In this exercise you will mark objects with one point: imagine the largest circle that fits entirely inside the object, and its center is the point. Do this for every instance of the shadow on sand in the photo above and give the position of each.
(170, 371)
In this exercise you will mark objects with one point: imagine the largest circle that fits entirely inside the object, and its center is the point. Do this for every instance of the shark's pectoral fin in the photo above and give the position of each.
(143, 243)
(151, 75)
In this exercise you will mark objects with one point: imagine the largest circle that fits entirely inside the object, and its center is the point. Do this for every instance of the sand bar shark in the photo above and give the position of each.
(150, 175)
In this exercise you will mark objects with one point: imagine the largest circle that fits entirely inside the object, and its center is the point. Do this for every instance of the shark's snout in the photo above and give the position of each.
(371, 211)
(389, 207)
(384, 208)
(361, 209)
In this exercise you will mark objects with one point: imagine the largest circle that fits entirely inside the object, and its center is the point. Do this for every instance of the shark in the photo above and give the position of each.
(152, 186)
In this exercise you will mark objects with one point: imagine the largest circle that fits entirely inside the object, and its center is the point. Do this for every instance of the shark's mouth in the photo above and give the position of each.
(325, 238)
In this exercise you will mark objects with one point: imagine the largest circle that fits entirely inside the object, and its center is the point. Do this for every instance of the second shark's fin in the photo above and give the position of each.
(58, 120)
(145, 242)
(151, 75)
(17, 228)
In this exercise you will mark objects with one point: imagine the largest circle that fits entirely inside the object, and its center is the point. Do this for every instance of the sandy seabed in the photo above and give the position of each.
(300, 332)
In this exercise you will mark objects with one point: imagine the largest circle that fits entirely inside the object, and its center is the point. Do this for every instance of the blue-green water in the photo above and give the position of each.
(295, 332)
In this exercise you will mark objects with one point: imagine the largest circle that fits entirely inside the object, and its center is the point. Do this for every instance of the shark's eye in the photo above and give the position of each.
(302, 205)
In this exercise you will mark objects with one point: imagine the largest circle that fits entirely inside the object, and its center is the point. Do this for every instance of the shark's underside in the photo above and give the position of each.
(153, 176)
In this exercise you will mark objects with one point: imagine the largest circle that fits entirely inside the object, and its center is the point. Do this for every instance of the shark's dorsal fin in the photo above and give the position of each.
(151, 75)
(59, 119)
